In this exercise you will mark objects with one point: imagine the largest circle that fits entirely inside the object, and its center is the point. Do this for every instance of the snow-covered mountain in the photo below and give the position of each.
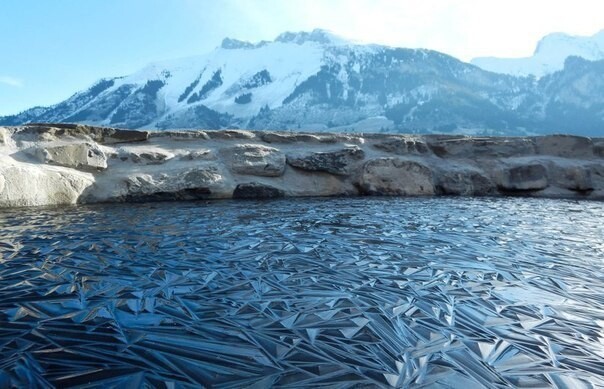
(318, 81)
(549, 56)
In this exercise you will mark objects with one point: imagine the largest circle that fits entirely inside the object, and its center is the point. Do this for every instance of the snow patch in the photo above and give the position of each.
(549, 56)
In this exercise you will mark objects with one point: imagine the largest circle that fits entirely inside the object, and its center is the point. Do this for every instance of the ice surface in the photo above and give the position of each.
(306, 293)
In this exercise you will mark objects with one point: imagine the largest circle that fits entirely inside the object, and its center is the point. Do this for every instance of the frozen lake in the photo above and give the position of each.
(316, 292)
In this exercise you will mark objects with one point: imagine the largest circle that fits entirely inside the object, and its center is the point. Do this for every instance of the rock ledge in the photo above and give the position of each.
(52, 164)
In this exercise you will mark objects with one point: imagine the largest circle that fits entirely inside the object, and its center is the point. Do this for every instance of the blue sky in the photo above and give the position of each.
(53, 48)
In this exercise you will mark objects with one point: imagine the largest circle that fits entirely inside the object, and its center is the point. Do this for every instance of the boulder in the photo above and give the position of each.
(575, 178)
(599, 149)
(292, 137)
(403, 146)
(149, 157)
(188, 184)
(527, 177)
(37, 185)
(104, 135)
(566, 146)
(597, 175)
(231, 134)
(464, 183)
(112, 136)
(82, 156)
(395, 176)
(180, 135)
(473, 147)
(338, 162)
(195, 155)
(255, 160)
(282, 137)
(254, 190)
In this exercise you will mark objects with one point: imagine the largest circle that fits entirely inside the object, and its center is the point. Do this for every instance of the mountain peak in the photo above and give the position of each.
(316, 81)
(549, 55)
(549, 39)
(554, 40)
(323, 37)
(230, 43)
(317, 35)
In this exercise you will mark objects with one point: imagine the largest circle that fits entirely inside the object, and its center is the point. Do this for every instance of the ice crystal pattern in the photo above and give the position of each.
(304, 293)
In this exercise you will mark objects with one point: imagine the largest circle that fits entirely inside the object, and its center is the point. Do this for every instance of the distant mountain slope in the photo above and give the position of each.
(316, 81)
(549, 56)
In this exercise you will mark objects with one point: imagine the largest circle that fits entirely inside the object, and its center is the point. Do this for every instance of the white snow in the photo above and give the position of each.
(290, 59)
(549, 56)
(287, 63)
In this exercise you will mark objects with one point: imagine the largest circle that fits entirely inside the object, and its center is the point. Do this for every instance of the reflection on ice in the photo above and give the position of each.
(306, 293)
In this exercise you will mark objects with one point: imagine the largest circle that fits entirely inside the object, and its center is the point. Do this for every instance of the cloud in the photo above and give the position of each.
(11, 81)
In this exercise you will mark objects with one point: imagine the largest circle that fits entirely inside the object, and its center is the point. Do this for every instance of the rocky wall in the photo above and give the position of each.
(52, 164)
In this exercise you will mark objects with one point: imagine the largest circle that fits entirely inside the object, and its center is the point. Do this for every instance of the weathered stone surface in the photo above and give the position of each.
(470, 147)
(395, 176)
(200, 177)
(254, 190)
(231, 134)
(464, 183)
(530, 177)
(278, 137)
(576, 178)
(195, 155)
(31, 185)
(597, 175)
(188, 184)
(403, 146)
(338, 162)
(255, 160)
(82, 156)
(180, 135)
(567, 146)
(149, 157)
(123, 136)
(227, 164)
(3, 135)
(286, 137)
(599, 149)
(54, 131)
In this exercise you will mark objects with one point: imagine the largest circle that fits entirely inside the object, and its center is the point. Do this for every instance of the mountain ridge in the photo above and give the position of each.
(319, 81)
(549, 55)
